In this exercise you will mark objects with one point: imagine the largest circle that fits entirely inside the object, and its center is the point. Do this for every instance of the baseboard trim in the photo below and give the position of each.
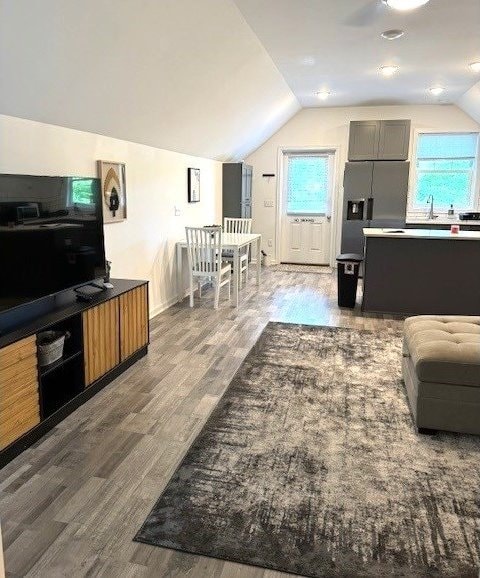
(167, 304)
(163, 307)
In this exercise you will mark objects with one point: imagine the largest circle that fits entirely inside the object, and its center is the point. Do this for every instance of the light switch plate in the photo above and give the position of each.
(268, 203)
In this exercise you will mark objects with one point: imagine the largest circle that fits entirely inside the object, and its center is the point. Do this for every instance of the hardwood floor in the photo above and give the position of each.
(71, 504)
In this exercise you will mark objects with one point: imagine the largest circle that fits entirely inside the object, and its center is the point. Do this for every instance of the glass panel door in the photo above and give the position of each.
(308, 184)
(307, 193)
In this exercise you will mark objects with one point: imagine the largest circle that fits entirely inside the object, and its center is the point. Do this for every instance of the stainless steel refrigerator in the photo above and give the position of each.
(375, 195)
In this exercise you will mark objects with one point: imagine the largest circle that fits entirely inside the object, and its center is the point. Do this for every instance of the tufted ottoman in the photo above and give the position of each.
(441, 370)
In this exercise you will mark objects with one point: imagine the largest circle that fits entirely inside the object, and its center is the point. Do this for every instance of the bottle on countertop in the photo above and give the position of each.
(451, 212)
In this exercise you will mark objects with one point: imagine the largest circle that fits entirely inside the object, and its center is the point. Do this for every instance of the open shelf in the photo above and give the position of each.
(61, 384)
(74, 343)
(46, 369)
(62, 380)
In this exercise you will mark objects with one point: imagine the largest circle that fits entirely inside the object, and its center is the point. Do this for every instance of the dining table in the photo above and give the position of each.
(233, 242)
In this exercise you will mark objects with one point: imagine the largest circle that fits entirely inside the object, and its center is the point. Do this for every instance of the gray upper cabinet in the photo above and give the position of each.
(379, 140)
(364, 135)
(394, 140)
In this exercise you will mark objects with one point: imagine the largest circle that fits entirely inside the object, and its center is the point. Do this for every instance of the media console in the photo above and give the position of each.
(108, 335)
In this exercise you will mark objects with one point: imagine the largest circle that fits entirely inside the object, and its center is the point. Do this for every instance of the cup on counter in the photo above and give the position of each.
(455, 229)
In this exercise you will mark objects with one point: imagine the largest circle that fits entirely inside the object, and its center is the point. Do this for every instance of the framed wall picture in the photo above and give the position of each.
(193, 185)
(114, 193)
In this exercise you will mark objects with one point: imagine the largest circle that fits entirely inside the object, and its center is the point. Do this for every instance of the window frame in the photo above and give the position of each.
(330, 157)
(72, 202)
(414, 212)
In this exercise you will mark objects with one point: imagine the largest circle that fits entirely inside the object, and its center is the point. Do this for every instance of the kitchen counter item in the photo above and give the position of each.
(469, 216)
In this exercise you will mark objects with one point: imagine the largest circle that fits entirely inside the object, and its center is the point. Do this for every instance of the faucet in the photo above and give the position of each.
(431, 215)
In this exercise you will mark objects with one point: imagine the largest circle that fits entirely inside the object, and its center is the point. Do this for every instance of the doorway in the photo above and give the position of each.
(305, 226)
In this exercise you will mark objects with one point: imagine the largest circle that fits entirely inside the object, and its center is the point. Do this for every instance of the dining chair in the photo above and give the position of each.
(231, 225)
(204, 248)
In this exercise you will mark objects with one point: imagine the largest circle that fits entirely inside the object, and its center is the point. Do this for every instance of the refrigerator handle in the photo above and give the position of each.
(370, 209)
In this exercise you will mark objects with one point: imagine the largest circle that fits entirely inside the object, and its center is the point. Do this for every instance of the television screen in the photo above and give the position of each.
(51, 236)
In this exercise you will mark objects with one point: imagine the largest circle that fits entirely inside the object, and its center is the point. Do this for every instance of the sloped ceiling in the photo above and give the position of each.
(336, 45)
(184, 75)
(470, 102)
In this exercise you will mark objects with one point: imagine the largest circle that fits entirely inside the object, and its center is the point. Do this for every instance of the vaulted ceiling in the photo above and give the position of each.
(185, 75)
(470, 102)
(336, 45)
(216, 78)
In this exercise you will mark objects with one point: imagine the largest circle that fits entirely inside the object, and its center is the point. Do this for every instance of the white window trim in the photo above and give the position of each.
(412, 212)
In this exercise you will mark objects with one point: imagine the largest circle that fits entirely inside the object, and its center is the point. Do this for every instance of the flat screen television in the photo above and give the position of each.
(51, 236)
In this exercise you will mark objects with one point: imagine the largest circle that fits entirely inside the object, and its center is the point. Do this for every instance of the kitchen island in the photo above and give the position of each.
(421, 271)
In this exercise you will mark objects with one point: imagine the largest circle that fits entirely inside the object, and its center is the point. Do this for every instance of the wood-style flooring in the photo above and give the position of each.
(71, 504)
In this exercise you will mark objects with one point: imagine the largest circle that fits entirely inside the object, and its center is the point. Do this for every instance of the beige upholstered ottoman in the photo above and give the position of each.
(441, 370)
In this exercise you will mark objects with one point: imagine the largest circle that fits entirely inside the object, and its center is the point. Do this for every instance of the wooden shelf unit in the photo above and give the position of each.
(19, 401)
(108, 335)
(133, 321)
(101, 338)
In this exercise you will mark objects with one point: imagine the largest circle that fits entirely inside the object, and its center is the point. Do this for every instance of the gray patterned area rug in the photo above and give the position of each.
(310, 464)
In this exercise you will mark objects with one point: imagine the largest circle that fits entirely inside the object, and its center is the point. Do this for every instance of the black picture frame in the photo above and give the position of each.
(193, 185)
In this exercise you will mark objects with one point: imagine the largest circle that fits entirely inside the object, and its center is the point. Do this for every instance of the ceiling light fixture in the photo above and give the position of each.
(475, 66)
(392, 34)
(322, 94)
(436, 90)
(308, 61)
(389, 70)
(405, 5)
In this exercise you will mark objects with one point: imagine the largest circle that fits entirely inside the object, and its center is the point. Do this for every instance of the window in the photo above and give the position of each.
(82, 191)
(308, 182)
(445, 168)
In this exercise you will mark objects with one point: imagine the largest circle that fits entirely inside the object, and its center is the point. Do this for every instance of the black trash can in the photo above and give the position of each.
(347, 275)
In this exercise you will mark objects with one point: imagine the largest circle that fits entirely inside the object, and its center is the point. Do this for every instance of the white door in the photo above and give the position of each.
(306, 220)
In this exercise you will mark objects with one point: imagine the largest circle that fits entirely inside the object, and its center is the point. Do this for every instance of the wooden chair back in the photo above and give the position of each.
(231, 225)
(204, 247)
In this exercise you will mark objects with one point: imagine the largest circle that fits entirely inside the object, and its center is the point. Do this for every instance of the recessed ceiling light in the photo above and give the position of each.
(436, 90)
(392, 34)
(475, 66)
(322, 94)
(404, 4)
(308, 61)
(389, 70)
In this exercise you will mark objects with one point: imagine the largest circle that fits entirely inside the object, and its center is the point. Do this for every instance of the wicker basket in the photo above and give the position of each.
(50, 346)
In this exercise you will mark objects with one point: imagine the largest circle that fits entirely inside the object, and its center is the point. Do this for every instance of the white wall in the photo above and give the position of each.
(328, 127)
(142, 247)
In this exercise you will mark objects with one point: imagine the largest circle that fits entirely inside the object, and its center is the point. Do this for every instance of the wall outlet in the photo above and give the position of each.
(268, 203)
(270, 242)
(178, 212)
